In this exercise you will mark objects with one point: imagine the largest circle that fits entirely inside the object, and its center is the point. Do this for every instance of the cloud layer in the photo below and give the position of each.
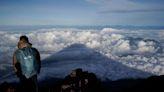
(137, 52)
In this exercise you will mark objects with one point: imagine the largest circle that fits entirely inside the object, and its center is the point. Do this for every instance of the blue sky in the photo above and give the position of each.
(82, 12)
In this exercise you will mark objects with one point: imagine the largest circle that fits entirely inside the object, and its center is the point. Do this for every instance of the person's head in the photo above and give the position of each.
(24, 38)
(76, 73)
(79, 72)
(23, 41)
(73, 73)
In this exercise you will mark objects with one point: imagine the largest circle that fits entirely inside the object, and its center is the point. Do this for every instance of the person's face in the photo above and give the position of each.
(21, 44)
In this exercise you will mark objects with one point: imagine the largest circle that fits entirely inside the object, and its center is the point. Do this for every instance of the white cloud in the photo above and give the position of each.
(125, 45)
(110, 30)
(93, 44)
(122, 46)
(146, 47)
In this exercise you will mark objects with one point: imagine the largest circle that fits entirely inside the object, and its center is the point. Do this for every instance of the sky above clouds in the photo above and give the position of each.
(82, 12)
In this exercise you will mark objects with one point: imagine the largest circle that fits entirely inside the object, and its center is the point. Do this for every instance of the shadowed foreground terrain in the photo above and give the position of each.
(151, 84)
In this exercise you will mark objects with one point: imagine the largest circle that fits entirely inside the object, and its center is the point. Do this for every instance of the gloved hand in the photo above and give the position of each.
(19, 71)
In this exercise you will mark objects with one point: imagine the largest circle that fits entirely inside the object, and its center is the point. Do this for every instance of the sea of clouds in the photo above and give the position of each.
(139, 49)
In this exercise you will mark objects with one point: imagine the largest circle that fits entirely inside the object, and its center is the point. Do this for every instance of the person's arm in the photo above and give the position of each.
(14, 62)
(17, 67)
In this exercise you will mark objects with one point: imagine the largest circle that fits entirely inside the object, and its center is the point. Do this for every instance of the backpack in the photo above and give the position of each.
(28, 61)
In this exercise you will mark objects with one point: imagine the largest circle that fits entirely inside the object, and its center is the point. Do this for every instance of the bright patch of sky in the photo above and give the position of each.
(82, 12)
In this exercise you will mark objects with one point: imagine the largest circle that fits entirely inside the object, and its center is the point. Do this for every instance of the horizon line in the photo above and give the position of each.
(92, 25)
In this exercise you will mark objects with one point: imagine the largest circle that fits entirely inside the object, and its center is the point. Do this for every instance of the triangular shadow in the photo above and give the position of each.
(60, 64)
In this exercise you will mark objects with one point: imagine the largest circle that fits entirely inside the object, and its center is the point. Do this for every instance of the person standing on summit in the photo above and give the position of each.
(27, 64)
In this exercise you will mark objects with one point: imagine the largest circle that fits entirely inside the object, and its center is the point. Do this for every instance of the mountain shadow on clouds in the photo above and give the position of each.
(59, 64)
